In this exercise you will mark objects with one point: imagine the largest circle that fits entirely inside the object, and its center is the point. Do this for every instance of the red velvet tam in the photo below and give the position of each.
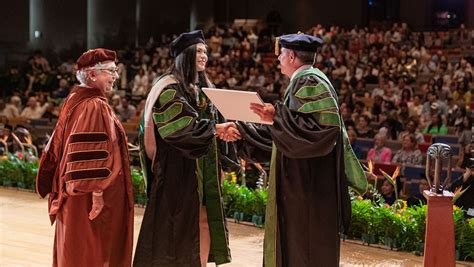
(95, 56)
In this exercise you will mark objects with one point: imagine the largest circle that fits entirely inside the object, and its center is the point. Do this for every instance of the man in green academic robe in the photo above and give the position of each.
(312, 163)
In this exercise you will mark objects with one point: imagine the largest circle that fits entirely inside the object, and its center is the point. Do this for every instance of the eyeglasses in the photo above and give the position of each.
(111, 71)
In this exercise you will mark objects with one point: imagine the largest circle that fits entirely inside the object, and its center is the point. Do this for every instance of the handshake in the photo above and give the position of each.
(227, 132)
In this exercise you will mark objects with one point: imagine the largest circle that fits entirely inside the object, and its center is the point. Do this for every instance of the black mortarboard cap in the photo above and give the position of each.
(185, 40)
(299, 42)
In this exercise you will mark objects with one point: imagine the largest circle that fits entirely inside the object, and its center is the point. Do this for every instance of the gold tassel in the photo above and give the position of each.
(277, 46)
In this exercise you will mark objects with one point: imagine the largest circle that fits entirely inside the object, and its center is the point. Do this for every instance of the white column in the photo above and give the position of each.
(91, 24)
(37, 23)
(201, 14)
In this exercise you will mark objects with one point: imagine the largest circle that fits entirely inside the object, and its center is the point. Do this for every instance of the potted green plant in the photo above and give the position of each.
(458, 219)
(260, 203)
(466, 242)
(392, 224)
(138, 183)
(230, 195)
(416, 219)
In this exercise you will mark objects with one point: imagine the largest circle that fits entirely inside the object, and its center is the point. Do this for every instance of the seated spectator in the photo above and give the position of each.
(230, 78)
(346, 116)
(465, 157)
(360, 89)
(403, 113)
(388, 192)
(415, 106)
(4, 111)
(139, 108)
(409, 154)
(462, 93)
(466, 200)
(256, 80)
(377, 106)
(140, 83)
(14, 107)
(412, 128)
(352, 138)
(23, 135)
(10, 139)
(379, 153)
(456, 115)
(221, 82)
(379, 90)
(405, 92)
(389, 125)
(390, 95)
(363, 128)
(115, 102)
(436, 126)
(63, 89)
(51, 111)
(418, 198)
(464, 131)
(26, 139)
(33, 110)
(433, 104)
(125, 110)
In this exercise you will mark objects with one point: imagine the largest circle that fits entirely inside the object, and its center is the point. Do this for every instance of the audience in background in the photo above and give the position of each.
(392, 83)
(380, 153)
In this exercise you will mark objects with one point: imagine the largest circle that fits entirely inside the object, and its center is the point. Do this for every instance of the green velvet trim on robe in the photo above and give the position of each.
(355, 174)
(311, 91)
(208, 175)
(166, 96)
(329, 118)
(170, 113)
(174, 126)
(270, 240)
(318, 105)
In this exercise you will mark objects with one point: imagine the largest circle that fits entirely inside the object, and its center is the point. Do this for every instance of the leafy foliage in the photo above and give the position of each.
(16, 172)
(402, 226)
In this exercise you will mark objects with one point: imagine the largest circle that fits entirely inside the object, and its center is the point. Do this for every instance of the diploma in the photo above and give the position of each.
(234, 104)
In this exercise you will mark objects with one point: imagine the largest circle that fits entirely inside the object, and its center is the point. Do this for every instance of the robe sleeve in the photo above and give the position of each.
(256, 143)
(310, 125)
(92, 150)
(179, 125)
(228, 157)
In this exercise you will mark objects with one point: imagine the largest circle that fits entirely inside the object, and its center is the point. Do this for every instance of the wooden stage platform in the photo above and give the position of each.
(26, 238)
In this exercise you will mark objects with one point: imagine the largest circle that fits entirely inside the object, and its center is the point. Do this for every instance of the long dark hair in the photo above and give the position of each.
(184, 70)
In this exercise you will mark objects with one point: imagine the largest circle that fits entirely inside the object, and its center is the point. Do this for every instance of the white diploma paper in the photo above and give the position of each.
(234, 104)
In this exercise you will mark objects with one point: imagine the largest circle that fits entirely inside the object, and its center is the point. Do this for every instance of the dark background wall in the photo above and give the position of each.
(82, 24)
(416, 13)
(14, 21)
(296, 15)
(60, 22)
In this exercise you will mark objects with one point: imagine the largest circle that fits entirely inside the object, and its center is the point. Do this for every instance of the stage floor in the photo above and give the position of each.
(26, 238)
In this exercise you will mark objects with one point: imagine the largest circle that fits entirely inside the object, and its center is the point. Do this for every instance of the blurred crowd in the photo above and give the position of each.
(394, 84)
